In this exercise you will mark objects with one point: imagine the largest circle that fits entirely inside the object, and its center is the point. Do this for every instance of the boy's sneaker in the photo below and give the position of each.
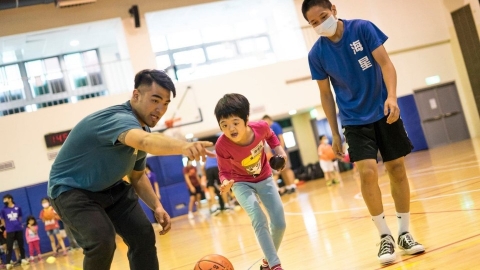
(32, 259)
(386, 254)
(25, 262)
(277, 267)
(407, 244)
(40, 258)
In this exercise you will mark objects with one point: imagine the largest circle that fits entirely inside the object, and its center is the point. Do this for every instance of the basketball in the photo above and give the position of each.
(213, 262)
(277, 162)
(48, 214)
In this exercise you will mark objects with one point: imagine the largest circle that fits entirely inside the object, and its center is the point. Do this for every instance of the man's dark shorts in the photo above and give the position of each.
(364, 141)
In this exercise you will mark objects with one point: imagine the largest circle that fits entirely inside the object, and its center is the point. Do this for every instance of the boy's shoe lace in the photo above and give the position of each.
(386, 253)
(409, 245)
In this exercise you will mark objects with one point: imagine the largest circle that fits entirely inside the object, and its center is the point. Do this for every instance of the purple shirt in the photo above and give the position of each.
(12, 216)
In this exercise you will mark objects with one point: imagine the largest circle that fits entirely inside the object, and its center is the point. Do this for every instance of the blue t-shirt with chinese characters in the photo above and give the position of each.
(355, 75)
(12, 216)
(91, 158)
(211, 162)
(277, 129)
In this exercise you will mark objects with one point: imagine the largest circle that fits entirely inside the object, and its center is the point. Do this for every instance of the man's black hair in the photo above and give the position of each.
(308, 4)
(149, 76)
(232, 105)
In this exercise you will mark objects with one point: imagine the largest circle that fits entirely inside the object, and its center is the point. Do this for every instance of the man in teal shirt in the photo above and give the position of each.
(86, 185)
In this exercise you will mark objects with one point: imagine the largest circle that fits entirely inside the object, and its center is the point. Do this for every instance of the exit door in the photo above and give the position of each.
(441, 115)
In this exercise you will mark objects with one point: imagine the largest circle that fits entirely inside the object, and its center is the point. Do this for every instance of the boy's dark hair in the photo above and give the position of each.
(266, 116)
(45, 199)
(232, 105)
(321, 137)
(32, 217)
(148, 76)
(308, 4)
(8, 196)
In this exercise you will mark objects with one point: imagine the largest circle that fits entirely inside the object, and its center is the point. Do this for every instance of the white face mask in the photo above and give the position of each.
(328, 27)
(45, 205)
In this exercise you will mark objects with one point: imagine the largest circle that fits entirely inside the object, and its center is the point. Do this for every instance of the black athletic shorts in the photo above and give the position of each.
(364, 141)
(198, 190)
(212, 177)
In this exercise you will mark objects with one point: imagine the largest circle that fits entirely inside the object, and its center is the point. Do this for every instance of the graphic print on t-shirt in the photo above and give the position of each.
(253, 163)
(12, 216)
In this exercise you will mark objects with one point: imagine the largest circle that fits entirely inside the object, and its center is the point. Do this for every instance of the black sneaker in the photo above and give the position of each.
(386, 254)
(407, 244)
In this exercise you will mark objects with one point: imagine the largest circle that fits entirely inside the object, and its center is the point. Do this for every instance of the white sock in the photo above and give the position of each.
(403, 220)
(381, 224)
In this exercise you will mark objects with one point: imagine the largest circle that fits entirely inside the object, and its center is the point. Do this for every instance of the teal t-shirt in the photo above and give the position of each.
(91, 158)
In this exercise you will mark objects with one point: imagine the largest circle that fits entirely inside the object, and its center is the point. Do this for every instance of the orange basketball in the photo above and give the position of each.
(48, 214)
(213, 262)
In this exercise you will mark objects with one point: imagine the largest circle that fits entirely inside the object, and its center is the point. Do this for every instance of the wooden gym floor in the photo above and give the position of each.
(330, 227)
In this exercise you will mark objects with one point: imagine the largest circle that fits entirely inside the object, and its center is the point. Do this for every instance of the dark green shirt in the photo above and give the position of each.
(91, 157)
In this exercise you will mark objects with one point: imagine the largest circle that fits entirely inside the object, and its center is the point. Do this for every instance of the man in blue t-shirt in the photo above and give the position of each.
(287, 174)
(350, 55)
(86, 185)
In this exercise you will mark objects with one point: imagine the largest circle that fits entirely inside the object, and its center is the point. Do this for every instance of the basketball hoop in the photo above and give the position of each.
(169, 122)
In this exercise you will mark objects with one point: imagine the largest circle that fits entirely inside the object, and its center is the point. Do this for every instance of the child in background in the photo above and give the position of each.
(3, 246)
(50, 218)
(244, 168)
(194, 187)
(33, 240)
(11, 216)
(326, 156)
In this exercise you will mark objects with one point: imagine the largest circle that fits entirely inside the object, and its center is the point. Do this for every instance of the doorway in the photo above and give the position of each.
(441, 114)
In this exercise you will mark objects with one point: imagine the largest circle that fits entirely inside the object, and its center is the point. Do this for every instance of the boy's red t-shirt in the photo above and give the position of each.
(246, 163)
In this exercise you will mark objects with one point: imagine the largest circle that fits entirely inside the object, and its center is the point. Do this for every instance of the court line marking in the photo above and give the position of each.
(358, 196)
(385, 204)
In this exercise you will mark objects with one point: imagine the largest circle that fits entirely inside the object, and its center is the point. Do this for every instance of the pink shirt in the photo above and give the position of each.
(32, 235)
(246, 163)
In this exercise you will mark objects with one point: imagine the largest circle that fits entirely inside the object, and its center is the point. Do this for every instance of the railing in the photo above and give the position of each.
(69, 86)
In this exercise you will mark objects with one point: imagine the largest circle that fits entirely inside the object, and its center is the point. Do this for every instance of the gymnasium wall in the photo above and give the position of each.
(421, 44)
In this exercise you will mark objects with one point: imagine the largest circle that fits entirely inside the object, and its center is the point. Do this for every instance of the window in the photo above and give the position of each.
(224, 36)
(83, 69)
(11, 84)
(184, 39)
(190, 57)
(224, 50)
(163, 61)
(45, 76)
